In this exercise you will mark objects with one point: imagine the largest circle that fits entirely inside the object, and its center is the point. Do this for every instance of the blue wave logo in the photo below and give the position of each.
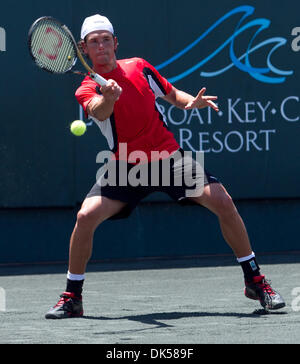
(269, 74)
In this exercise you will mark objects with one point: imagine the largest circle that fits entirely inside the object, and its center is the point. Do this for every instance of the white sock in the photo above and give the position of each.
(244, 259)
(76, 277)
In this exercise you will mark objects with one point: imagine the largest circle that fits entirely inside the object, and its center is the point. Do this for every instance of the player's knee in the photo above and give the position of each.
(225, 206)
(86, 219)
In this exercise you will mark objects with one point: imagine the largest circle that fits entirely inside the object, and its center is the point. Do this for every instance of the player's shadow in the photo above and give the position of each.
(155, 319)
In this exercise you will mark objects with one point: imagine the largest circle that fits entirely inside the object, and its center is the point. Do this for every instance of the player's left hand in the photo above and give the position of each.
(201, 101)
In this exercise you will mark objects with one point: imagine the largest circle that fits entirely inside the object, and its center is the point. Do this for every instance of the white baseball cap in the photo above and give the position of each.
(94, 23)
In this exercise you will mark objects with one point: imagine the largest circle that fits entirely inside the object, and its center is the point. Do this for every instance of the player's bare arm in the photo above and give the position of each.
(102, 107)
(185, 101)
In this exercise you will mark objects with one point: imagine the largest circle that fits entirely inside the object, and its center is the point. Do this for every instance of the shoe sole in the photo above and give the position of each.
(61, 317)
(277, 307)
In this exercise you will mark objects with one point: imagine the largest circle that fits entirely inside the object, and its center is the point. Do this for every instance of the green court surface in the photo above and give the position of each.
(188, 301)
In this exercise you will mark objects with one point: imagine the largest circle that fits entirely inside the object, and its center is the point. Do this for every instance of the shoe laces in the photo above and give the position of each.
(64, 298)
(266, 286)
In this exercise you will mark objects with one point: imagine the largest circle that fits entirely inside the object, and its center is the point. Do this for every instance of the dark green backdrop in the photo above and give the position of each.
(252, 146)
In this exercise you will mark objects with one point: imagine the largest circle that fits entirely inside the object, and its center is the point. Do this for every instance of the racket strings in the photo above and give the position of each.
(52, 47)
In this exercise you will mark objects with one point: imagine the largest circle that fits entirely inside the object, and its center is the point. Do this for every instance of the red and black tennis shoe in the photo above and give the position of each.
(260, 289)
(68, 306)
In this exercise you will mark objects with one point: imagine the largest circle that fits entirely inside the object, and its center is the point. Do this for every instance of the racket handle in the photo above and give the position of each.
(97, 78)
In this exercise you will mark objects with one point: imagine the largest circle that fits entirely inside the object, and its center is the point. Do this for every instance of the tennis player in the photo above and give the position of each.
(126, 112)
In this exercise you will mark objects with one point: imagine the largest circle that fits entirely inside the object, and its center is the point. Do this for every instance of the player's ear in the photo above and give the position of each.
(116, 43)
(82, 47)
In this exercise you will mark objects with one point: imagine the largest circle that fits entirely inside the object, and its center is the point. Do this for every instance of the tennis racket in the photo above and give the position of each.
(54, 49)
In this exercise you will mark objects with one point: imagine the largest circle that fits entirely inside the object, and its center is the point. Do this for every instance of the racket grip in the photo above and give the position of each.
(97, 78)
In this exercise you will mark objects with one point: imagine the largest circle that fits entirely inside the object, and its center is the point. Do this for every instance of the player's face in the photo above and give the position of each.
(101, 47)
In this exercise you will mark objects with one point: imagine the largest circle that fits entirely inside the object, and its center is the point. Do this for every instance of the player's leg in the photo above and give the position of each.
(94, 211)
(216, 199)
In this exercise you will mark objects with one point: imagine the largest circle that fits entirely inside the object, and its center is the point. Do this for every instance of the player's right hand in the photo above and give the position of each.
(112, 91)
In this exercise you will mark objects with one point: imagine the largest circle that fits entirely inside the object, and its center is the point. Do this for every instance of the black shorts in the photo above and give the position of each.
(180, 180)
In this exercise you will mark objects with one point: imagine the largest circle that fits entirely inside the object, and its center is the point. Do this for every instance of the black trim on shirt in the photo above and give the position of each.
(115, 134)
(148, 72)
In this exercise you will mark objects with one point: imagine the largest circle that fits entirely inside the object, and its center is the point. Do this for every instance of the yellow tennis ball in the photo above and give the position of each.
(78, 127)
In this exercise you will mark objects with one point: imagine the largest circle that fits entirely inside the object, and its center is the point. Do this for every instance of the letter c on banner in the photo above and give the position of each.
(283, 112)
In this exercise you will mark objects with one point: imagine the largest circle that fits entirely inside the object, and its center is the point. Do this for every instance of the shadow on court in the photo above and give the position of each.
(155, 318)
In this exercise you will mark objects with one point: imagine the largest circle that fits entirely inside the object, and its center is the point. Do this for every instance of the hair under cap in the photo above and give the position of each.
(94, 23)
